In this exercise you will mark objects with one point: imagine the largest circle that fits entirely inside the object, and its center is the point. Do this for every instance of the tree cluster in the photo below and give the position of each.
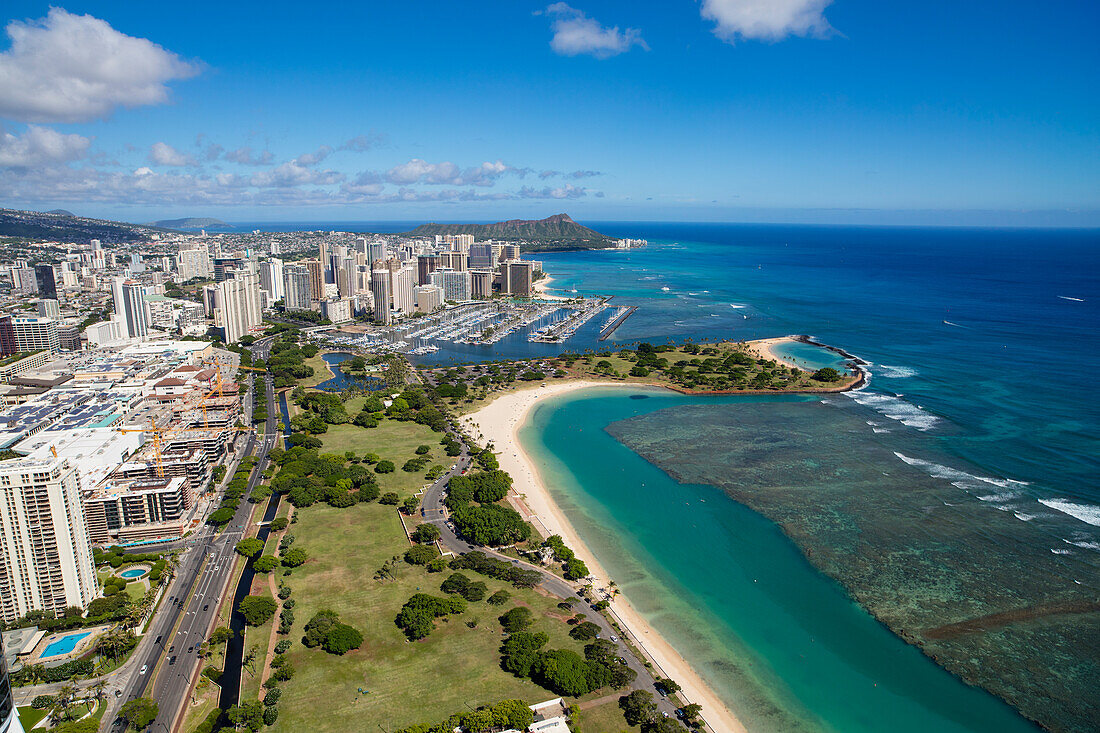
(417, 616)
(326, 631)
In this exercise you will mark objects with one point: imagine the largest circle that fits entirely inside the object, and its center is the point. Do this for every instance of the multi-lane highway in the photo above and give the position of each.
(166, 664)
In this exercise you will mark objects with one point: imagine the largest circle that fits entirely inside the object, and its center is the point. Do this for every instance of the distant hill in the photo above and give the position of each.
(68, 228)
(191, 222)
(554, 233)
(62, 212)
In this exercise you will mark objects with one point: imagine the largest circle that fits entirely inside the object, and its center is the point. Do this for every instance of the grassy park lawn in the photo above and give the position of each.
(321, 372)
(392, 440)
(408, 682)
(605, 718)
(29, 717)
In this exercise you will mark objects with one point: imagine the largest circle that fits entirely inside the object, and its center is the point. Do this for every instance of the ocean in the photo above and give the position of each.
(791, 547)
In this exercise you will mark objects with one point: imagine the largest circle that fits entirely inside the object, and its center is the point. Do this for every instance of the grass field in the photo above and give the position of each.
(605, 718)
(29, 717)
(321, 372)
(392, 440)
(206, 699)
(408, 682)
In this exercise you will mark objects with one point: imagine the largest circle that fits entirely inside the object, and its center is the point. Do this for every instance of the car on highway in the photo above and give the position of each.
(144, 669)
(171, 660)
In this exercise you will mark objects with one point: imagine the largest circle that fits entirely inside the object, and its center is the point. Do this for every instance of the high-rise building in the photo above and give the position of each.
(49, 308)
(428, 298)
(193, 260)
(129, 299)
(381, 289)
(36, 334)
(271, 279)
(7, 337)
(481, 283)
(237, 306)
(454, 260)
(316, 278)
(376, 251)
(45, 552)
(46, 281)
(455, 284)
(517, 277)
(296, 283)
(510, 252)
(482, 256)
(136, 263)
(9, 716)
(347, 276)
(337, 311)
(24, 280)
(425, 266)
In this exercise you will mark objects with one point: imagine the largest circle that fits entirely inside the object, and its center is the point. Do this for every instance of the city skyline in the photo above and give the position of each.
(798, 111)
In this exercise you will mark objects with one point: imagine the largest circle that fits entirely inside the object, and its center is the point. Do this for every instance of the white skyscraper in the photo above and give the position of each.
(129, 298)
(296, 287)
(381, 288)
(193, 260)
(45, 553)
(237, 306)
(271, 279)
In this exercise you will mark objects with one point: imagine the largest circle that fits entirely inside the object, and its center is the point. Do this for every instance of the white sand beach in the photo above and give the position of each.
(764, 348)
(542, 289)
(499, 422)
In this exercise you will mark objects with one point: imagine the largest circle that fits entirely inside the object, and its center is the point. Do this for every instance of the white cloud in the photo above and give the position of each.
(575, 33)
(447, 173)
(308, 159)
(245, 156)
(40, 146)
(292, 174)
(767, 20)
(165, 154)
(568, 191)
(73, 68)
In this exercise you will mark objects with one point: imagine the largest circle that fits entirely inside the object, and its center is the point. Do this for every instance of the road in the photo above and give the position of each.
(433, 511)
(168, 651)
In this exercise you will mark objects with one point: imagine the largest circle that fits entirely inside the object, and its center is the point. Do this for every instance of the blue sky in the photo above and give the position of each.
(717, 110)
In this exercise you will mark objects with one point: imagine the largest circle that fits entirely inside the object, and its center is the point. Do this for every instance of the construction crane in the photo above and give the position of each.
(158, 434)
(218, 384)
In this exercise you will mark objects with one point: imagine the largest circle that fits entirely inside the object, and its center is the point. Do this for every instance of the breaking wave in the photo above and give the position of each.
(1087, 513)
(896, 409)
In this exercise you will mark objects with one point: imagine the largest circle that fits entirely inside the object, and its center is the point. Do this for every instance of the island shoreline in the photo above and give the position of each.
(499, 422)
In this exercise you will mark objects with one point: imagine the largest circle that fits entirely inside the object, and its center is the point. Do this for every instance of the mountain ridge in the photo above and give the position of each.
(558, 232)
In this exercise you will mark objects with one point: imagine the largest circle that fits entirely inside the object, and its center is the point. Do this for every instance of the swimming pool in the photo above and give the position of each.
(133, 572)
(64, 645)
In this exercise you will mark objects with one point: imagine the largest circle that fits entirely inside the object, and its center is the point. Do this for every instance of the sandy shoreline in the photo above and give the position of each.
(542, 289)
(764, 348)
(499, 422)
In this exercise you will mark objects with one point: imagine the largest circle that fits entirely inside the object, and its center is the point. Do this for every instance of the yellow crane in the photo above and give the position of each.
(158, 434)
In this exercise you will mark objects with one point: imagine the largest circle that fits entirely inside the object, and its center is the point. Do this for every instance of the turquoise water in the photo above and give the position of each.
(133, 573)
(64, 645)
(808, 356)
(783, 644)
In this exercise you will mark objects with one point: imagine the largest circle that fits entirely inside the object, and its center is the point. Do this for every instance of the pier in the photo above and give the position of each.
(616, 320)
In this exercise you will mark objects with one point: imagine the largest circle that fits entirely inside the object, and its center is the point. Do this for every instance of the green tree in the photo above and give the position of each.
(562, 671)
(341, 639)
(517, 619)
(139, 713)
(294, 557)
(257, 610)
(827, 374)
(499, 598)
(638, 707)
(265, 564)
(585, 631)
(421, 554)
(425, 533)
(521, 651)
(385, 467)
